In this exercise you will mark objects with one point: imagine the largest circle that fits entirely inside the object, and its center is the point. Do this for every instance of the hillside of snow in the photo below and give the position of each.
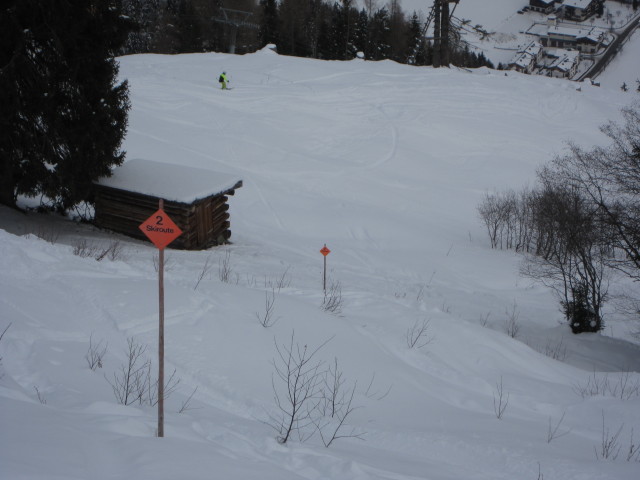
(383, 163)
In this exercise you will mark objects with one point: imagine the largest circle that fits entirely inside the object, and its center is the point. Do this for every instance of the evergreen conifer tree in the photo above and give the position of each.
(268, 32)
(63, 115)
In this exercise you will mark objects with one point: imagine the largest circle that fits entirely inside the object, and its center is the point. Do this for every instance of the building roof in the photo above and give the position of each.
(170, 182)
(562, 59)
(577, 3)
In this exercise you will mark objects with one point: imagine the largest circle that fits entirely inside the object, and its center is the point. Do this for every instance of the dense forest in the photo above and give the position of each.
(323, 29)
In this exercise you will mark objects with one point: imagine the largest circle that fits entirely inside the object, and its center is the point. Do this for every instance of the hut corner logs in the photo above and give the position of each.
(194, 198)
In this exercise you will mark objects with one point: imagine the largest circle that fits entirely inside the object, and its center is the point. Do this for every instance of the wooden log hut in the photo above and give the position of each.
(194, 198)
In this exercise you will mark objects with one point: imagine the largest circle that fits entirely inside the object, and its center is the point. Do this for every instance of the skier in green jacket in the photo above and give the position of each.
(223, 80)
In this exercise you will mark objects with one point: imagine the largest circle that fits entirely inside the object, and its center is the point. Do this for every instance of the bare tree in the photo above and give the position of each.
(418, 336)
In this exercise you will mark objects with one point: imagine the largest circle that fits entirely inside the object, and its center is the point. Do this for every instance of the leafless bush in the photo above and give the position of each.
(333, 301)
(224, 268)
(484, 319)
(418, 336)
(40, 395)
(609, 444)
(511, 324)
(554, 431)
(376, 394)
(278, 283)
(500, 400)
(186, 405)
(624, 387)
(49, 234)
(266, 318)
(298, 392)
(130, 383)
(133, 383)
(150, 395)
(557, 350)
(168, 261)
(335, 407)
(206, 268)
(84, 249)
(113, 251)
(633, 452)
(95, 353)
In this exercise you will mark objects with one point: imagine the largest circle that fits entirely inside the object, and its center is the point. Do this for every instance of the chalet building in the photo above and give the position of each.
(560, 63)
(526, 59)
(585, 40)
(543, 6)
(195, 200)
(580, 10)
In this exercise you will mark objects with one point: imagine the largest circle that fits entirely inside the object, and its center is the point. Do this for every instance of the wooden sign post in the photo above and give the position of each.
(161, 230)
(325, 251)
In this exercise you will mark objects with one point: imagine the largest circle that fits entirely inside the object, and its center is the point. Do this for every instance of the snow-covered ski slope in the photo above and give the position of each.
(384, 163)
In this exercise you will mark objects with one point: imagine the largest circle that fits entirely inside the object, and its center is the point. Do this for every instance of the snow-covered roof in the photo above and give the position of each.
(170, 182)
(577, 3)
(593, 34)
(563, 60)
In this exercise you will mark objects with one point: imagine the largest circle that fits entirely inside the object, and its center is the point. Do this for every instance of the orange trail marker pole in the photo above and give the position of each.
(161, 338)
(161, 230)
(325, 251)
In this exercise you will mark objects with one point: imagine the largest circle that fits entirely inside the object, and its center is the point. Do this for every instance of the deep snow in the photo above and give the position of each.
(385, 164)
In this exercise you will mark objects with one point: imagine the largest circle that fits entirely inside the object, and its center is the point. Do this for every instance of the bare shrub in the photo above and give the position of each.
(186, 404)
(40, 395)
(84, 249)
(557, 350)
(224, 268)
(500, 400)
(624, 387)
(95, 353)
(113, 251)
(418, 336)
(633, 452)
(168, 261)
(511, 323)
(333, 301)
(554, 430)
(609, 444)
(299, 376)
(376, 394)
(49, 234)
(266, 318)
(335, 407)
(278, 283)
(130, 382)
(133, 383)
(206, 268)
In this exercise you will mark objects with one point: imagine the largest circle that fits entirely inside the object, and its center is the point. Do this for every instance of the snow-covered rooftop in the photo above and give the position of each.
(177, 183)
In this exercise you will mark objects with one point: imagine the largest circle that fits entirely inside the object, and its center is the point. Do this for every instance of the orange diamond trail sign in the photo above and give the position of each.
(161, 231)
